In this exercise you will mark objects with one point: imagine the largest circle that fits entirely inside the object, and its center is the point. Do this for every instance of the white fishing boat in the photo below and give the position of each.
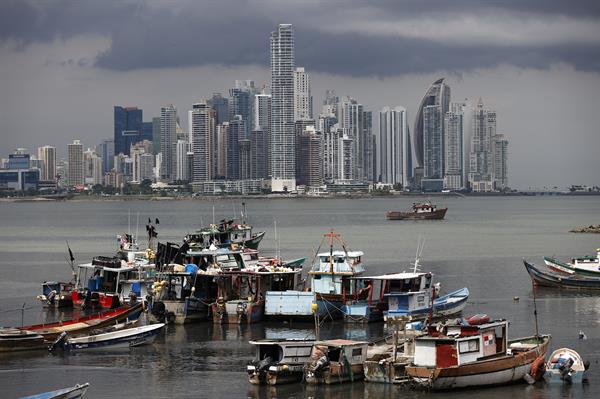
(588, 265)
(565, 366)
(125, 338)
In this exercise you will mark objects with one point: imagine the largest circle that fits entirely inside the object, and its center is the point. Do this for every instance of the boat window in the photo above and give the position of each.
(469, 346)
(272, 351)
(334, 354)
(356, 352)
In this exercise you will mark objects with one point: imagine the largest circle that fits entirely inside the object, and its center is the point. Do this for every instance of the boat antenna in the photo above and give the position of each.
(243, 213)
(537, 334)
(71, 259)
(420, 246)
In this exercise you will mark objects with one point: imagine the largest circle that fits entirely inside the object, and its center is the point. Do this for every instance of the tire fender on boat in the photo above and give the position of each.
(538, 367)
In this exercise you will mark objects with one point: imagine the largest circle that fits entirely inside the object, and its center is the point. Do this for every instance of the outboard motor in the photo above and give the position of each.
(59, 343)
(320, 364)
(241, 311)
(566, 370)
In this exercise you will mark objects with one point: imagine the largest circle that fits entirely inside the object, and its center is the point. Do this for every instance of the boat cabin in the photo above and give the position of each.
(455, 345)
(335, 361)
(426, 207)
(332, 271)
(279, 361)
(219, 259)
(224, 233)
(408, 294)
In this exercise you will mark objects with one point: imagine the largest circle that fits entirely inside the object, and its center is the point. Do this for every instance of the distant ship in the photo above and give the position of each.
(424, 211)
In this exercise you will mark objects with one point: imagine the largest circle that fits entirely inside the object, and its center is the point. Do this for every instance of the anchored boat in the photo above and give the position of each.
(550, 278)
(78, 391)
(279, 361)
(565, 366)
(15, 340)
(336, 361)
(120, 338)
(423, 211)
(588, 265)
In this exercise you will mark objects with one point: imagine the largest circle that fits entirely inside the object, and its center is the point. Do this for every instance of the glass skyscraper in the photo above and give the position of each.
(129, 128)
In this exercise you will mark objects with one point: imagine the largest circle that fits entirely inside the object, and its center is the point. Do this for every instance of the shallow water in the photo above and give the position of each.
(480, 245)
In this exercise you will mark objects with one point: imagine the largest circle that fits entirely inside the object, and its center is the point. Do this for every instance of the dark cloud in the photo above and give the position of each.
(187, 34)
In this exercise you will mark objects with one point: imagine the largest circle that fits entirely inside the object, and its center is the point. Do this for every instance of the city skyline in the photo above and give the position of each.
(544, 106)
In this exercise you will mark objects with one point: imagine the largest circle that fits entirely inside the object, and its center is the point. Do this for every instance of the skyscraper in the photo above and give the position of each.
(221, 106)
(241, 102)
(310, 170)
(262, 123)
(453, 153)
(75, 157)
(433, 156)
(500, 161)
(204, 143)
(356, 124)
(393, 149)
(437, 94)
(222, 138)
(236, 132)
(181, 160)
(47, 154)
(484, 128)
(303, 102)
(128, 128)
(155, 135)
(168, 138)
(282, 109)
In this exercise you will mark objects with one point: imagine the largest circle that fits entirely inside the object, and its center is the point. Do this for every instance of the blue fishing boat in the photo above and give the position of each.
(78, 391)
(548, 278)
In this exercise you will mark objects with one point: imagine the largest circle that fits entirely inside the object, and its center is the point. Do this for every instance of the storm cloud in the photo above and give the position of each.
(350, 38)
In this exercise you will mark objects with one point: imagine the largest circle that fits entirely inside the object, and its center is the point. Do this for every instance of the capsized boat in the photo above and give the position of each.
(565, 366)
(463, 355)
(279, 361)
(78, 391)
(83, 325)
(15, 340)
(588, 265)
(545, 277)
(336, 361)
(120, 338)
(422, 211)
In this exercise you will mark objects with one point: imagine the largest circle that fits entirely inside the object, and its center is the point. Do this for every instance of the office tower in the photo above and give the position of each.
(204, 145)
(303, 102)
(147, 131)
(168, 138)
(20, 159)
(299, 128)
(262, 122)
(181, 160)
(156, 135)
(259, 154)
(433, 156)
(346, 158)
(310, 170)
(88, 165)
(245, 166)
(500, 161)
(235, 133)
(368, 147)
(484, 128)
(437, 94)
(97, 173)
(453, 152)
(357, 126)
(47, 154)
(128, 128)
(241, 102)
(222, 135)
(75, 159)
(107, 150)
(221, 106)
(282, 109)
(393, 148)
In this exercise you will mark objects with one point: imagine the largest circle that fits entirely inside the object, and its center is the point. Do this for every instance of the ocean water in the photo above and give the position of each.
(480, 245)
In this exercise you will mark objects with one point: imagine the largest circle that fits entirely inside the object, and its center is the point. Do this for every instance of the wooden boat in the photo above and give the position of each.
(549, 278)
(78, 391)
(565, 366)
(120, 338)
(424, 211)
(83, 325)
(15, 340)
(336, 361)
(279, 361)
(588, 265)
(461, 356)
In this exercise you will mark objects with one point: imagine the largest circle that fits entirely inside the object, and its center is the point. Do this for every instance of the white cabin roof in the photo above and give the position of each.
(394, 276)
(351, 254)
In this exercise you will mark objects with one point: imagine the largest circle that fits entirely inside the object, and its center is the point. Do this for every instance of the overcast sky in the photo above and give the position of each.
(65, 64)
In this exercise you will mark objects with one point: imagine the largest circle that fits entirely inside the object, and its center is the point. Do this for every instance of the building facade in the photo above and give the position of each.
(303, 101)
(204, 142)
(168, 138)
(393, 147)
(47, 154)
(128, 128)
(75, 159)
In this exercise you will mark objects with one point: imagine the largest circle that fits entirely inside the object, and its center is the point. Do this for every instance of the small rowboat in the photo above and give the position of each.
(126, 338)
(13, 339)
(565, 366)
(548, 278)
(78, 391)
(83, 325)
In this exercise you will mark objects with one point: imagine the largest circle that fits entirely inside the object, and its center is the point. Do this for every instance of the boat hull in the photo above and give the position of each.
(550, 279)
(234, 312)
(438, 214)
(75, 392)
(335, 374)
(446, 305)
(17, 341)
(127, 338)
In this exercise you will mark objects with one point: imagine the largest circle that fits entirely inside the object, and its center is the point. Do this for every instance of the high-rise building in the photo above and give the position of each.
(155, 135)
(128, 128)
(303, 102)
(259, 154)
(433, 156)
(282, 109)
(204, 142)
(453, 152)
(393, 148)
(356, 124)
(437, 94)
(299, 129)
(75, 159)
(484, 128)
(500, 161)
(97, 173)
(241, 102)
(168, 133)
(262, 122)
(47, 154)
(332, 137)
(235, 133)
(222, 140)
(245, 166)
(310, 170)
(221, 106)
(346, 158)
(181, 160)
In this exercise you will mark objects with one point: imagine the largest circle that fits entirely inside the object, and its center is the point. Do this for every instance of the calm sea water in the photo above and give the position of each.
(480, 245)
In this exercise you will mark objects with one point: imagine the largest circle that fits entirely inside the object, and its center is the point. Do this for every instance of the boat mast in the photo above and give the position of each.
(537, 334)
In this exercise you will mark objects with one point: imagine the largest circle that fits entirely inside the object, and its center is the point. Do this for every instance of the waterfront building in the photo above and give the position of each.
(303, 101)
(113, 179)
(453, 152)
(221, 106)
(282, 109)
(299, 129)
(219, 187)
(345, 158)
(222, 135)
(310, 169)
(235, 132)
(75, 159)
(19, 179)
(438, 94)
(356, 124)
(47, 155)
(168, 138)
(259, 154)
(241, 102)
(156, 135)
(204, 141)
(181, 160)
(433, 143)
(20, 159)
(128, 128)
(245, 167)
(393, 147)
(484, 128)
(262, 122)
(331, 162)
(500, 161)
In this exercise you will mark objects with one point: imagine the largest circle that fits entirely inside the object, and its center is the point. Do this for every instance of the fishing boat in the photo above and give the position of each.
(549, 278)
(78, 391)
(57, 294)
(588, 265)
(422, 211)
(331, 285)
(120, 338)
(280, 361)
(565, 366)
(15, 340)
(83, 325)
(336, 361)
(463, 355)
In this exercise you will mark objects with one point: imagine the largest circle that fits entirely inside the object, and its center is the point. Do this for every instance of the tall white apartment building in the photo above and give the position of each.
(393, 146)
(303, 102)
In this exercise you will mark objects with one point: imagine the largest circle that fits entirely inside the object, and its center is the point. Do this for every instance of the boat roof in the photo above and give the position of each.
(123, 269)
(282, 341)
(213, 252)
(340, 342)
(351, 254)
(394, 276)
